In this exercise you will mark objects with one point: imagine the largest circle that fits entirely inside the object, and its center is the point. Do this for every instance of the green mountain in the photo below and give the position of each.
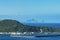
(15, 26)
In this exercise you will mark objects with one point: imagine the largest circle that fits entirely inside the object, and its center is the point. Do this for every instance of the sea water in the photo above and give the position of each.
(44, 24)
(7, 37)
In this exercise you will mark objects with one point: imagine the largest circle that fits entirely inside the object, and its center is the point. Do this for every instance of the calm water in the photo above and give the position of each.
(28, 38)
(41, 38)
(44, 24)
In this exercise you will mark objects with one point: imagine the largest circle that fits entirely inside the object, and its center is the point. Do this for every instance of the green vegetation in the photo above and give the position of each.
(15, 26)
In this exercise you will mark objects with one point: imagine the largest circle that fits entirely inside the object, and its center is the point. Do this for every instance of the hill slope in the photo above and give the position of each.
(15, 26)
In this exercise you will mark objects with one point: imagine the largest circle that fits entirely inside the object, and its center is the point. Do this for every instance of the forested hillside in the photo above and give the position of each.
(15, 26)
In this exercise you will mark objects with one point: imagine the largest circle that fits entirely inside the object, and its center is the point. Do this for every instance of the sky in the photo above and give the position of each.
(26, 10)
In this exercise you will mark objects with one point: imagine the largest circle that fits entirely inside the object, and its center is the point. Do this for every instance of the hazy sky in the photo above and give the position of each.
(23, 10)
